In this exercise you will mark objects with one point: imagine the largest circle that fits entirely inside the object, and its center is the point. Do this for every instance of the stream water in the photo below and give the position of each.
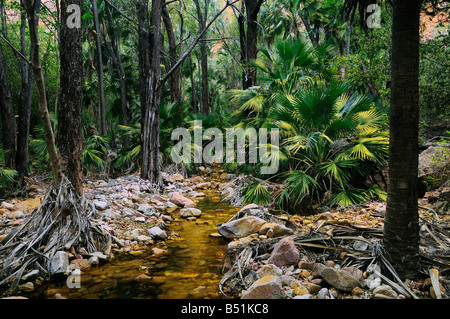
(191, 267)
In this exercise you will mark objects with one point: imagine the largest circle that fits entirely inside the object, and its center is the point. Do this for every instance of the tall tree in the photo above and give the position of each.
(101, 90)
(248, 38)
(69, 137)
(7, 117)
(401, 225)
(24, 105)
(201, 16)
(401, 222)
(40, 84)
(150, 167)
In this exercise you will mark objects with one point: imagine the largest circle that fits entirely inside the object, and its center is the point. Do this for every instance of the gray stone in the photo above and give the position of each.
(101, 256)
(100, 205)
(145, 209)
(157, 233)
(190, 212)
(94, 260)
(60, 262)
(306, 296)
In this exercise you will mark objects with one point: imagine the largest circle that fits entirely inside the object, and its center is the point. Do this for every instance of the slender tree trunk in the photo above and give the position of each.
(101, 90)
(69, 137)
(174, 82)
(194, 93)
(24, 109)
(42, 98)
(401, 227)
(204, 105)
(115, 44)
(7, 117)
(150, 168)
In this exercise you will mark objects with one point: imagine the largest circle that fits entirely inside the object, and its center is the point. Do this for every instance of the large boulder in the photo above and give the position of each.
(268, 287)
(285, 253)
(180, 200)
(241, 227)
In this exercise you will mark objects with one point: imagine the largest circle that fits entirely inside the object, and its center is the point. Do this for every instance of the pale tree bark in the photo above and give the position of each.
(42, 98)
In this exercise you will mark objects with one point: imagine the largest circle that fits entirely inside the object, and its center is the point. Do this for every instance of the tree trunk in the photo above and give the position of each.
(252, 8)
(194, 93)
(115, 44)
(401, 227)
(203, 57)
(7, 117)
(69, 137)
(101, 90)
(24, 109)
(175, 78)
(42, 98)
(150, 168)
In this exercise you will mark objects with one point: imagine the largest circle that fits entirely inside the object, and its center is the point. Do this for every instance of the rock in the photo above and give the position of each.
(190, 212)
(157, 251)
(101, 256)
(357, 291)
(100, 205)
(84, 264)
(143, 278)
(306, 296)
(145, 209)
(323, 294)
(7, 205)
(26, 287)
(157, 233)
(339, 279)
(204, 185)
(178, 177)
(285, 253)
(268, 287)
(312, 288)
(60, 262)
(269, 269)
(143, 238)
(140, 219)
(94, 260)
(180, 200)
(299, 289)
(241, 227)
(386, 291)
(281, 230)
(170, 207)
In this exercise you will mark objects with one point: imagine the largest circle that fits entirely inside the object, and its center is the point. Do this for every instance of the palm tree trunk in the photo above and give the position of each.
(401, 230)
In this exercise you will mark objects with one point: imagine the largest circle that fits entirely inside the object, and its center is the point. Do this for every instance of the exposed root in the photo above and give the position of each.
(62, 221)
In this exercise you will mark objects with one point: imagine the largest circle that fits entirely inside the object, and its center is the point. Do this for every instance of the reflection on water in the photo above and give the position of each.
(190, 269)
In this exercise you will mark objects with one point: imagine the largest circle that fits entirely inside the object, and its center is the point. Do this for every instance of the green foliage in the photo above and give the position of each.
(330, 139)
(7, 176)
(95, 150)
(255, 192)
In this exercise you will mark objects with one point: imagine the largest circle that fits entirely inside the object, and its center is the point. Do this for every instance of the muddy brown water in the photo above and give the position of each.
(190, 269)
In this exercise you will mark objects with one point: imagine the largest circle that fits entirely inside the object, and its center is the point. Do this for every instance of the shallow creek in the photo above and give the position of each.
(191, 267)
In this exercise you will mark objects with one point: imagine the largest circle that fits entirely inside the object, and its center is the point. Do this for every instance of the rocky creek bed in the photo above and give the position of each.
(256, 252)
